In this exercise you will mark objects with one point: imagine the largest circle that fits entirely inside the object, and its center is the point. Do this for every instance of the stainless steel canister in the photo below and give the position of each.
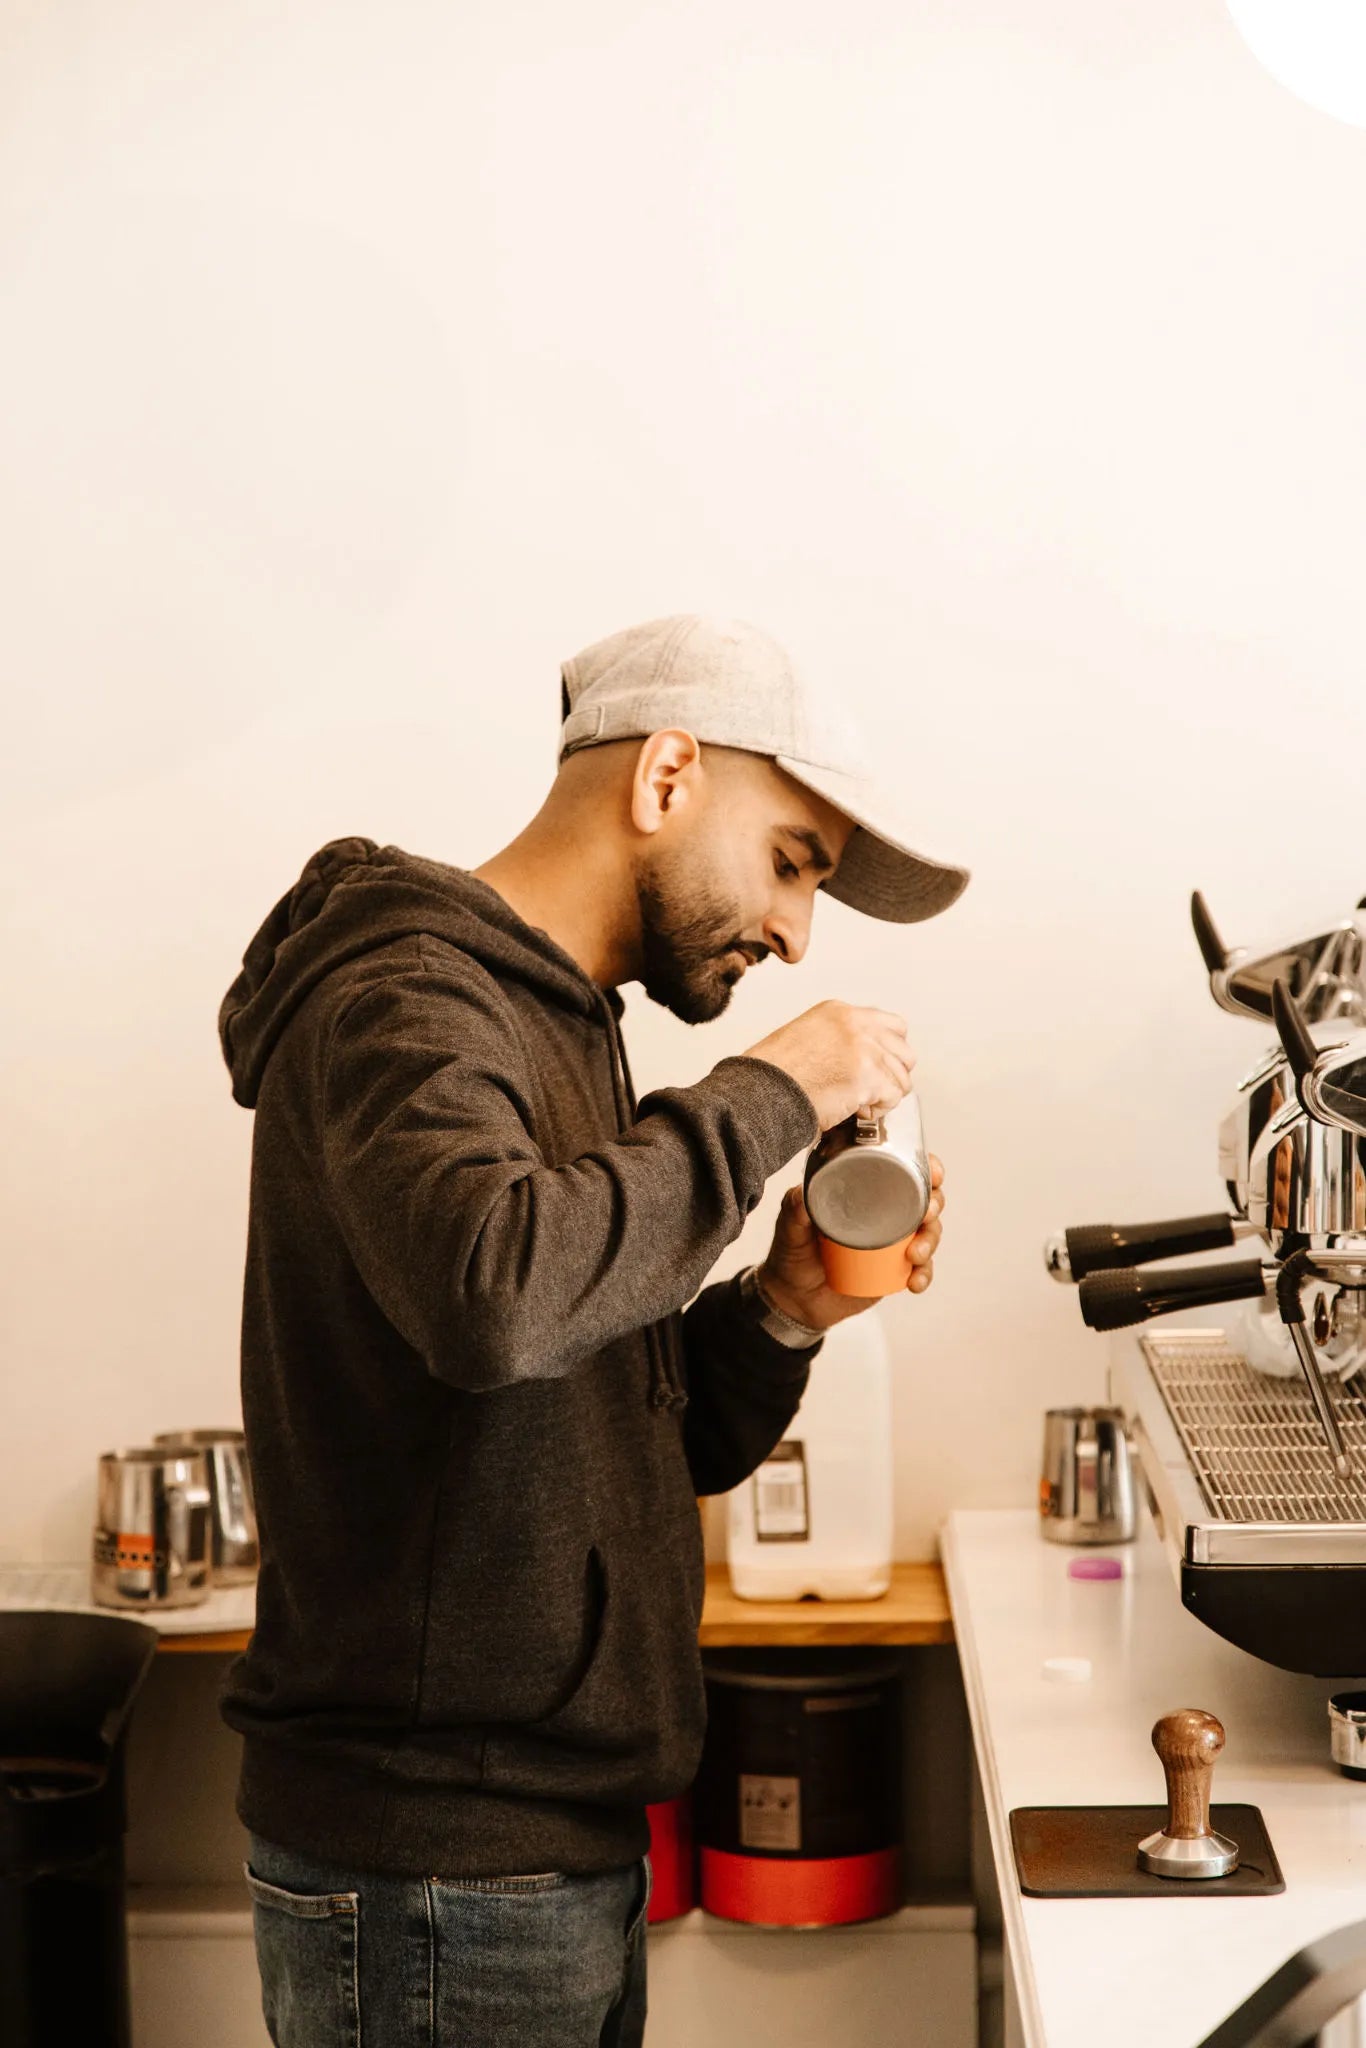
(235, 1550)
(152, 1528)
(1086, 1491)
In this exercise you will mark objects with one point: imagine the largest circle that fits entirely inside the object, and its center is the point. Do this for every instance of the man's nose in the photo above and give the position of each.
(787, 936)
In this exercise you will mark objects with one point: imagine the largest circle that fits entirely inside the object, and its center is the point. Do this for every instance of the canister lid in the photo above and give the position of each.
(200, 1439)
(799, 1670)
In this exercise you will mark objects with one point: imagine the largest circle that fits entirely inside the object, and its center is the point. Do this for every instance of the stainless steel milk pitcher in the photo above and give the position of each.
(867, 1188)
(232, 1514)
(1086, 1489)
(152, 1528)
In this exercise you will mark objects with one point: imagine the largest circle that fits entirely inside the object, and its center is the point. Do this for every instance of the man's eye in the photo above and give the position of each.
(786, 869)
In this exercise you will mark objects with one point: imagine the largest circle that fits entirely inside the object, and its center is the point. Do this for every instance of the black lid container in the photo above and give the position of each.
(67, 1686)
(797, 1805)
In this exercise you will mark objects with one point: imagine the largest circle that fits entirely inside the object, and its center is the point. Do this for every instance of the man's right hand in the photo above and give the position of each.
(845, 1058)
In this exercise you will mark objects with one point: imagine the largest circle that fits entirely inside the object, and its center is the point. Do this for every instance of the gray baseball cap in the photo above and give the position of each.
(731, 685)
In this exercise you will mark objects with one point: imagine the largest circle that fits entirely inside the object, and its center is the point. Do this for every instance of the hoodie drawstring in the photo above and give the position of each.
(666, 1385)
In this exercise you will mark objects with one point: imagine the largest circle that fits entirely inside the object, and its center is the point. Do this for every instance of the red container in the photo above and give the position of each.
(798, 1797)
(814, 1891)
(674, 1890)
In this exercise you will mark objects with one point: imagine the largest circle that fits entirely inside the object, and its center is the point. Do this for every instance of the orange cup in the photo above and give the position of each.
(849, 1270)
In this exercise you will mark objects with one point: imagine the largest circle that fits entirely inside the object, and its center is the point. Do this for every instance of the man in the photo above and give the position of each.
(477, 1413)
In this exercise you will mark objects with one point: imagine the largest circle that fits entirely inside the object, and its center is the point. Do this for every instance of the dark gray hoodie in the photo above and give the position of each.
(476, 1414)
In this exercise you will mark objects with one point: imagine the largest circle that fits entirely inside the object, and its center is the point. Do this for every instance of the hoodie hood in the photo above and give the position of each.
(354, 896)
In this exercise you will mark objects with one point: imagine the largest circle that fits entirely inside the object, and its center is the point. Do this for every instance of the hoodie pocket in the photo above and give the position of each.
(631, 1728)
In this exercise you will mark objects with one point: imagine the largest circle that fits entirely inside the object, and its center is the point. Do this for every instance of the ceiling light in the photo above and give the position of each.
(1314, 48)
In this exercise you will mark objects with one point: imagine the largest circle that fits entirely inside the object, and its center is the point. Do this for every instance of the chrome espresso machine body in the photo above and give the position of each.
(1252, 1440)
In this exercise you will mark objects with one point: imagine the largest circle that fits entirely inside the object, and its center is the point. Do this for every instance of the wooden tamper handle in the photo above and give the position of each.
(1187, 1742)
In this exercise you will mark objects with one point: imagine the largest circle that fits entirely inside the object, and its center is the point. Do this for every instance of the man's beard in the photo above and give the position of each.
(687, 930)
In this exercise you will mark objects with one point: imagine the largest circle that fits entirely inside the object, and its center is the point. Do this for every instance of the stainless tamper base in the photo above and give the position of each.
(1192, 1856)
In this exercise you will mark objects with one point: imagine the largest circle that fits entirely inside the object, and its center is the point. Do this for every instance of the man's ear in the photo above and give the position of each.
(666, 773)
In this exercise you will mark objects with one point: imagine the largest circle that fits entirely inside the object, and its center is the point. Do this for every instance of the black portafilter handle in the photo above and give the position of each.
(1099, 1247)
(1116, 1300)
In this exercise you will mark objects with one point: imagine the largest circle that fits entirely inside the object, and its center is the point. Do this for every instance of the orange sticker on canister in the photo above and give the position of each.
(135, 1550)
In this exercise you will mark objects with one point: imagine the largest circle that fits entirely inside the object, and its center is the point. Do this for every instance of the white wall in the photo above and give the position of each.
(360, 361)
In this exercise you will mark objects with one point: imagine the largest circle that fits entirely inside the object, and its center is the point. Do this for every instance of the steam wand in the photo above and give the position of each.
(1302, 1053)
(1289, 1280)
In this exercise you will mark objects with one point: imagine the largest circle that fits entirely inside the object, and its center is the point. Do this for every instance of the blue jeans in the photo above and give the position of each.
(352, 1959)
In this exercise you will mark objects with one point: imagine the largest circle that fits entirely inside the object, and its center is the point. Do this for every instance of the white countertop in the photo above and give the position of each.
(65, 1588)
(1138, 1973)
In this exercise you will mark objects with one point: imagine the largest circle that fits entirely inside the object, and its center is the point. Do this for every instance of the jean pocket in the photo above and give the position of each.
(307, 1948)
(636, 1924)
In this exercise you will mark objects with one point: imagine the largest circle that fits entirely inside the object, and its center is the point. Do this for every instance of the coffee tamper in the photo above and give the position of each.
(1188, 1741)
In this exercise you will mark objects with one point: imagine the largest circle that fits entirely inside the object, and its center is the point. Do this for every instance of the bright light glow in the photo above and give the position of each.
(1315, 48)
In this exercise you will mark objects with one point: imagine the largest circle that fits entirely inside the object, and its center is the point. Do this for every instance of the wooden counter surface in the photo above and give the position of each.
(914, 1610)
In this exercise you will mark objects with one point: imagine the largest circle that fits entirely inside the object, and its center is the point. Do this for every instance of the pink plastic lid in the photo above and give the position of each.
(1095, 1568)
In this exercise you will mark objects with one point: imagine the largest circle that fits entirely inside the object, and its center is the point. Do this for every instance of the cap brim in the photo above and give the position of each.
(878, 874)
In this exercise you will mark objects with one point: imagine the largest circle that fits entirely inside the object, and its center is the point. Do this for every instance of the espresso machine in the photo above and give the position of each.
(1251, 1436)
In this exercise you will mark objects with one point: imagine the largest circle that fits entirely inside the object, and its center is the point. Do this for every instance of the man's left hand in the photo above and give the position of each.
(793, 1277)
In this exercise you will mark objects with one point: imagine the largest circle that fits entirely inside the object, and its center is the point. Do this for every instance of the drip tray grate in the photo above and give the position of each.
(1254, 1442)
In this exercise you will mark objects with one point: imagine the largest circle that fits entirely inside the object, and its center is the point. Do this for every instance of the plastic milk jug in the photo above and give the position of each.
(816, 1518)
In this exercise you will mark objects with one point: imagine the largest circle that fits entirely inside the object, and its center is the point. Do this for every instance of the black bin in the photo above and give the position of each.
(67, 1685)
(798, 1799)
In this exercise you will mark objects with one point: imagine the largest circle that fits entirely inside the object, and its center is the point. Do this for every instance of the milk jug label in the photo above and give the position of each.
(780, 1500)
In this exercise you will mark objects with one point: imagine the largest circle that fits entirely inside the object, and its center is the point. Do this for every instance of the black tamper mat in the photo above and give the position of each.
(1091, 1852)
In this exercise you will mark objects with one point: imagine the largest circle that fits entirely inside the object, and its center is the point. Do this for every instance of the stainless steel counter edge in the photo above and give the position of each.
(1316, 1543)
(1180, 1511)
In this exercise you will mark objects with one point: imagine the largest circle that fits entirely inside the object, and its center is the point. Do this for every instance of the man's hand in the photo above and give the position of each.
(793, 1277)
(845, 1058)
